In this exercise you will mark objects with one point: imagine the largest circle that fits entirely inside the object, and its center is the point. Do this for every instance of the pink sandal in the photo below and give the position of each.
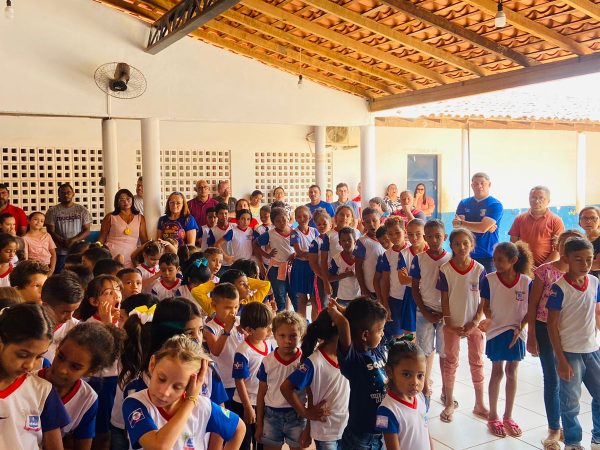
(496, 427)
(512, 428)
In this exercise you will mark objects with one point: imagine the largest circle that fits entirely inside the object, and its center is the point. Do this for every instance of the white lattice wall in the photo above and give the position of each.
(294, 171)
(181, 169)
(34, 175)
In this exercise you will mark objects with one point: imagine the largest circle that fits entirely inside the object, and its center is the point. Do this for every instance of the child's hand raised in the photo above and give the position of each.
(106, 311)
(333, 308)
(229, 322)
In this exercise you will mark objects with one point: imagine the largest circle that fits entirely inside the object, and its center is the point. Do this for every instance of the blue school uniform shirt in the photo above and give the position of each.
(475, 211)
(324, 205)
(366, 373)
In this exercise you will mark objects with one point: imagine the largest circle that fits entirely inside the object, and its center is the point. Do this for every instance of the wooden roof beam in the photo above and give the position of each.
(388, 58)
(288, 51)
(290, 38)
(464, 33)
(585, 6)
(394, 35)
(580, 65)
(532, 27)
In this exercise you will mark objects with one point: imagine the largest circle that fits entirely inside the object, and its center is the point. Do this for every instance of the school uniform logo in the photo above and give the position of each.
(520, 296)
(32, 423)
(238, 365)
(482, 212)
(474, 287)
(189, 443)
(303, 368)
(205, 390)
(381, 422)
(135, 417)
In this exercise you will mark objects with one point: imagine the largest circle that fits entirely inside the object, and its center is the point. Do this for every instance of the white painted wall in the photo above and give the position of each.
(50, 50)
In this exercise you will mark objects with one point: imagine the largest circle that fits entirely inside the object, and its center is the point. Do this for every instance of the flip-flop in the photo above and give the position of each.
(445, 417)
(443, 400)
(550, 444)
(496, 428)
(512, 428)
(480, 414)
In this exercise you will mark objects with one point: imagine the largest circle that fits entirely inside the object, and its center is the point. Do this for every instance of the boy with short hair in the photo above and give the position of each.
(573, 320)
(27, 278)
(168, 285)
(132, 281)
(211, 221)
(63, 293)
(367, 252)
(107, 267)
(94, 254)
(361, 357)
(219, 229)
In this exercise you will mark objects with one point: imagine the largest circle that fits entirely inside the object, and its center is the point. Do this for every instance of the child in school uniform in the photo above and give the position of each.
(342, 268)
(301, 275)
(276, 420)
(321, 286)
(239, 237)
(151, 253)
(27, 278)
(218, 231)
(573, 311)
(8, 253)
(211, 221)
(367, 252)
(169, 283)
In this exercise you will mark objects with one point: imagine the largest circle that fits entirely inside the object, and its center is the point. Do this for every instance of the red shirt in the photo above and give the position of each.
(198, 209)
(18, 214)
(538, 233)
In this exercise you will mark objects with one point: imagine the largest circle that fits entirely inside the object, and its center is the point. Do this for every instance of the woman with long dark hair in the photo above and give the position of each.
(422, 202)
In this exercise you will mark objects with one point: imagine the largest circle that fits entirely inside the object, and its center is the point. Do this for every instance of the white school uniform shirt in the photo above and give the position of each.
(246, 363)
(60, 332)
(240, 242)
(408, 255)
(28, 407)
(331, 243)
(407, 420)
(215, 233)
(577, 306)
(326, 382)
(4, 277)
(162, 290)
(304, 240)
(508, 303)
(225, 360)
(81, 403)
(426, 268)
(348, 288)
(142, 416)
(274, 370)
(261, 229)
(369, 250)
(146, 271)
(279, 242)
(204, 237)
(463, 290)
(391, 261)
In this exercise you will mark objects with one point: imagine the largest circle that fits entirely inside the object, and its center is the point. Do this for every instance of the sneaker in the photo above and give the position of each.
(574, 447)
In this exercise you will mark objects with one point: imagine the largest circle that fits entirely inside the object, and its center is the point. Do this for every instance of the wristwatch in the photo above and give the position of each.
(226, 333)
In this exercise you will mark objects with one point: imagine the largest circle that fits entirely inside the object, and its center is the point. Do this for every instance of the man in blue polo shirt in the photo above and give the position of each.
(314, 193)
(481, 214)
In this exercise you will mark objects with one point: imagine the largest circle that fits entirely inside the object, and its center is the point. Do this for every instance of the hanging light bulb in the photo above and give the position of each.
(500, 19)
(300, 81)
(9, 11)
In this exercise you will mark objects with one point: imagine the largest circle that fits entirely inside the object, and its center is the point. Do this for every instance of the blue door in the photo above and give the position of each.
(424, 169)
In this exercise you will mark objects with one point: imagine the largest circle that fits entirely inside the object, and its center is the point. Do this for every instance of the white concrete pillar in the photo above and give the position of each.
(580, 177)
(110, 162)
(321, 159)
(465, 162)
(151, 173)
(367, 163)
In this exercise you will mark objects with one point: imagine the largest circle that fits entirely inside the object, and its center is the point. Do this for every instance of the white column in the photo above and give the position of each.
(367, 163)
(151, 173)
(580, 177)
(110, 162)
(465, 162)
(321, 159)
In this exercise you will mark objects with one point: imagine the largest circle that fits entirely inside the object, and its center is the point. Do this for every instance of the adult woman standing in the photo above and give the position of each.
(177, 223)
(589, 220)
(422, 202)
(279, 196)
(392, 199)
(123, 229)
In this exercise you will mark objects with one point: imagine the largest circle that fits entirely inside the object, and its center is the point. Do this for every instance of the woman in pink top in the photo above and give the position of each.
(422, 202)
(123, 229)
(39, 244)
(538, 341)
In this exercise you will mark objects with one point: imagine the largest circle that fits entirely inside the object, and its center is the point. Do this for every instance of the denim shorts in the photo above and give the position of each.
(430, 336)
(282, 426)
(361, 441)
(328, 445)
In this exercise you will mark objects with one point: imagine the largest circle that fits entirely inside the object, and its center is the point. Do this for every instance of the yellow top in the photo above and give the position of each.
(259, 290)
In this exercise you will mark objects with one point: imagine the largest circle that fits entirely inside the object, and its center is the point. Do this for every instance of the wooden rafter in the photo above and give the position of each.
(276, 47)
(581, 65)
(305, 44)
(532, 27)
(587, 7)
(461, 32)
(339, 38)
(402, 38)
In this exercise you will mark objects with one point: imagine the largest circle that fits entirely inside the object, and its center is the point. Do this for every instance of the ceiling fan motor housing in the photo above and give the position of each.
(121, 78)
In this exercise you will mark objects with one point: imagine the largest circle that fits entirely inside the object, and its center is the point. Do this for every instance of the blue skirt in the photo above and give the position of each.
(394, 328)
(496, 349)
(409, 312)
(302, 278)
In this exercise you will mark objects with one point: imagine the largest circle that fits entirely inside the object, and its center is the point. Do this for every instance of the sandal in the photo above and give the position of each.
(496, 427)
(445, 417)
(480, 414)
(443, 400)
(512, 428)
(550, 444)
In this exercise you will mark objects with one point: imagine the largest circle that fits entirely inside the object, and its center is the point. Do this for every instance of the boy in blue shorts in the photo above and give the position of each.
(573, 318)
(361, 356)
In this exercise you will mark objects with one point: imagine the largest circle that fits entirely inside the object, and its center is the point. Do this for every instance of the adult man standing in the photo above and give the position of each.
(539, 227)
(314, 193)
(481, 214)
(67, 222)
(15, 211)
(343, 194)
(199, 204)
(224, 196)
(138, 198)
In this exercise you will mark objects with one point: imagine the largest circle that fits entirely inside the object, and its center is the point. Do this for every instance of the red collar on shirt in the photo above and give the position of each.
(438, 257)
(283, 235)
(243, 230)
(226, 227)
(460, 271)
(13, 386)
(514, 283)
(398, 251)
(580, 289)
(5, 274)
(149, 269)
(287, 362)
(166, 286)
(57, 327)
(349, 261)
(328, 359)
(395, 396)
(218, 322)
(412, 252)
(264, 352)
